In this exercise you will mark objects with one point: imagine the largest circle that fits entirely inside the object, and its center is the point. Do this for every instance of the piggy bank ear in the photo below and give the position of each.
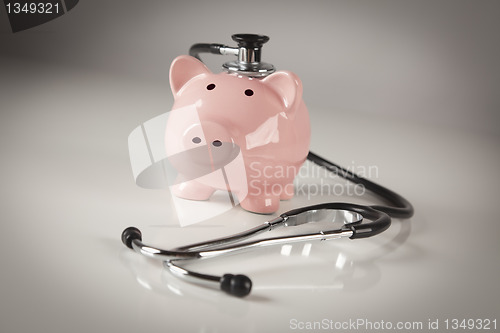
(183, 69)
(288, 86)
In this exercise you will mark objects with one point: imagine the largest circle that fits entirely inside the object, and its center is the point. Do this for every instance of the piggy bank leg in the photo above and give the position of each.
(262, 204)
(263, 197)
(287, 190)
(192, 190)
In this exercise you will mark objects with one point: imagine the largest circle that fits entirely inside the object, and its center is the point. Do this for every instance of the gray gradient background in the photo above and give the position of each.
(420, 78)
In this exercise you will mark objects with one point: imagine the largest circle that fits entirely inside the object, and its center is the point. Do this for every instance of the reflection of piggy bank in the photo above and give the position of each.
(230, 132)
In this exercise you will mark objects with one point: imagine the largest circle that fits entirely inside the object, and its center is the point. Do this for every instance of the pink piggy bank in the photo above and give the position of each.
(248, 136)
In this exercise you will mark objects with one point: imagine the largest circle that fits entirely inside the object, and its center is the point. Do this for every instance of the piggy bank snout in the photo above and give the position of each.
(206, 133)
(210, 144)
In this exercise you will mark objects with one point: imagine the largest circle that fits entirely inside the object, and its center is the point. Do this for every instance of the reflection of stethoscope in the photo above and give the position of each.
(357, 221)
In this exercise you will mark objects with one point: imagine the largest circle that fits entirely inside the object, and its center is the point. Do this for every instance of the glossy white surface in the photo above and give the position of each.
(68, 192)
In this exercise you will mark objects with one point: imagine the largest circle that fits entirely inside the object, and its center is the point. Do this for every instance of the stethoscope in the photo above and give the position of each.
(358, 221)
(355, 226)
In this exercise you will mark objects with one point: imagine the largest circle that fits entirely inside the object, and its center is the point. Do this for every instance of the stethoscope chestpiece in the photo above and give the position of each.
(249, 53)
(249, 56)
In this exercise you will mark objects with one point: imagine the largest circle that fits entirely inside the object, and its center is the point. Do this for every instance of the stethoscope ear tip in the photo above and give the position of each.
(236, 285)
(129, 234)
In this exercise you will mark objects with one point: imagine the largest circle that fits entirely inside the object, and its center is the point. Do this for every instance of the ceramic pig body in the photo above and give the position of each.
(255, 130)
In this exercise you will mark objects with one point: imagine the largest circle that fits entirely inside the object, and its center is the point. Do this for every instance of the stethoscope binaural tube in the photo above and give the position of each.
(355, 226)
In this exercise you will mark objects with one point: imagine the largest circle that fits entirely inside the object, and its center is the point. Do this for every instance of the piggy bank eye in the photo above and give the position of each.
(249, 92)
(196, 139)
(211, 86)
